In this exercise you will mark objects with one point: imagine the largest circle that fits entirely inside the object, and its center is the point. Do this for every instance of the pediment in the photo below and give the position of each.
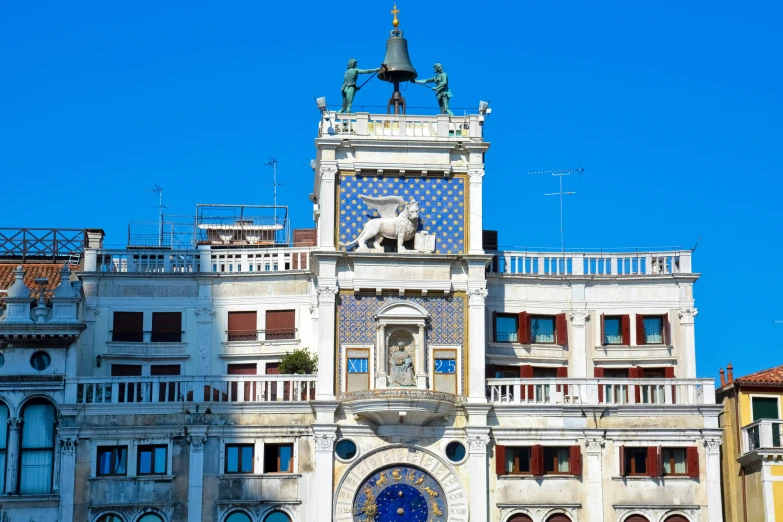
(401, 310)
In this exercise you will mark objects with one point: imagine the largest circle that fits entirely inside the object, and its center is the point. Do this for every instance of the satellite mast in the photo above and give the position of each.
(159, 190)
(560, 173)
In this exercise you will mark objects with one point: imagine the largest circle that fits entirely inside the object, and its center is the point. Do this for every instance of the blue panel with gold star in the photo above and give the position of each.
(400, 494)
(441, 203)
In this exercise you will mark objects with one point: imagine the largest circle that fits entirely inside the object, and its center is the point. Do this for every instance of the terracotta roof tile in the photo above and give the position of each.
(772, 375)
(32, 271)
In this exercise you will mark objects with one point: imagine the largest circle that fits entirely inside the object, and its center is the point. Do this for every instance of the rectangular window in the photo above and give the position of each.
(636, 461)
(357, 365)
(674, 461)
(128, 327)
(445, 365)
(518, 461)
(280, 325)
(3, 444)
(166, 327)
(506, 328)
(239, 458)
(557, 460)
(764, 408)
(613, 333)
(112, 461)
(278, 458)
(152, 460)
(242, 326)
(542, 329)
(653, 329)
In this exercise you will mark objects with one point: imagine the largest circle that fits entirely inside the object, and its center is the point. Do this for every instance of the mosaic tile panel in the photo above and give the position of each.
(441, 203)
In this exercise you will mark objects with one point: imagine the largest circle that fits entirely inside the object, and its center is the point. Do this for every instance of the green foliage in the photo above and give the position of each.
(300, 361)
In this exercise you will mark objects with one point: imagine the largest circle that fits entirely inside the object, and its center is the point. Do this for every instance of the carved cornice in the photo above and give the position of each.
(687, 315)
(324, 441)
(197, 442)
(68, 445)
(594, 445)
(579, 317)
(326, 294)
(478, 443)
(328, 172)
(476, 296)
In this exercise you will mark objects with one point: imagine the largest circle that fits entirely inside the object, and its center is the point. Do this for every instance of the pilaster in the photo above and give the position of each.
(323, 440)
(712, 458)
(595, 488)
(478, 438)
(326, 203)
(196, 440)
(578, 343)
(12, 456)
(687, 320)
(204, 315)
(477, 345)
(476, 212)
(326, 350)
(67, 470)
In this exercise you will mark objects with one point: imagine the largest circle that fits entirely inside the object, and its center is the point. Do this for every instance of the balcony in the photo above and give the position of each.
(601, 392)
(763, 435)
(378, 126)
(591, 263)
(177, 389)
(275, 487)
(287, 334)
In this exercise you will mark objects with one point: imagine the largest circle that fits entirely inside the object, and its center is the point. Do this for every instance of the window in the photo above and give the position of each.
(250, 386)
(613, 331)
(40, 361)
(636, 461)
(455, 451)
(3, 444)
(674, 462)
(242, 326)
(239, 458)
(128, 327)
(445, 365)
(765, 408)
(542, 329)
(556, 460)
(112, 461)
(280, 324)
(345, 449)
(358, 370)
(652, 329)
(166, 327)
(278, 458)
(517, 461)
(357, 365)
(506, 327)
(277, 516)
(37, 448)
(238, 516)
(152, 460)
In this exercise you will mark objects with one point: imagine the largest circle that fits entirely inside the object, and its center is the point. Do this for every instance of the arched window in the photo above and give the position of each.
(676, 518)
(37, 448)
(110, 517)
(558, 518)
(636, 518)
(277, 516)
(520, 518)
(238, 516)
(3, 444)
(150, 517)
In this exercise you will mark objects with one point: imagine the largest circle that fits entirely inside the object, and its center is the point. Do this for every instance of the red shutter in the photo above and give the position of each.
(625, 324)
(603, 335)
(280, 324)
(537, 460)
(667, 334)
(166, 327)
(598, 373)
(652, 461)
(500, 460)
(640, 337)
(526, 372)
(576, 460)
(562, 372)
(668, 373)
(622, 461)
(692, 461)
(523, 328)
(242, 326)
(561, 329)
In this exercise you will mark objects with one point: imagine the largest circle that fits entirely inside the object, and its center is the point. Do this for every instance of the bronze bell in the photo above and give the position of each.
(398, 62)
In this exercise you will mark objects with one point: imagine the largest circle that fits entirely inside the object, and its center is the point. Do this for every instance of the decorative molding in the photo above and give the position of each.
(205, 311)
(476, 296)
(579, 317)
(326, 294)
(14, 423)
(328, 172)
(594, 445)
(476, 175)
(478, 443)
(197, 442)
(324, 441)
(89, 309)
(712, 446)
(68, 445)
(687, 315)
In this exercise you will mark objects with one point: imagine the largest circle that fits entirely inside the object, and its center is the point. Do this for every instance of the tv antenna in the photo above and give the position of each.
(160, 207)
(273, 163)
(560, 174)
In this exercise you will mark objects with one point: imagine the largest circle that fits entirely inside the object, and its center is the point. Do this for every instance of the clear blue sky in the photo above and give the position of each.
(673, 107)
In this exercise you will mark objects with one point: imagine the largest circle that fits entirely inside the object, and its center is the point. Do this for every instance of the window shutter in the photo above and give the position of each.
(603, 335)
(666, 330)
(692, 461)
(640, 337)
(280, 324)
(242, 326)
(598, 373)
(625, 323)
(526, 372)
(562, 372)
(622, 461)
(166, 327)
(500, 460)
(576, 460)
(489, 371)
(128, 327)
(523, 328)
(537, 460)
(652, 461)
(494, 326)
(561, 329)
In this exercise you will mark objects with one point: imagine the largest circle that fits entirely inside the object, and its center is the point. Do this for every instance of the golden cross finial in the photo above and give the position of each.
(394, 11)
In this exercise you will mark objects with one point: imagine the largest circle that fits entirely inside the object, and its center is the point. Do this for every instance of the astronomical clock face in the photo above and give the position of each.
(400, 494)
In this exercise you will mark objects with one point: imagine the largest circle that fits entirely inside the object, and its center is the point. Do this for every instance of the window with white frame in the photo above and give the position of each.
(37, 448)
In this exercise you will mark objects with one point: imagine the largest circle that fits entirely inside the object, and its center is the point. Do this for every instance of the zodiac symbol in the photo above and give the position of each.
(436, 509)
(381, 480)
(430, 492)
(421, 479)
(412, 475)
(396, 475)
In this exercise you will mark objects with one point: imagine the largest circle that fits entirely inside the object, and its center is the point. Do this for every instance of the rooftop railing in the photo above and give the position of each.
(763, 434)
(41, 243)
(592, 263)
(601, 392)
(400, 125)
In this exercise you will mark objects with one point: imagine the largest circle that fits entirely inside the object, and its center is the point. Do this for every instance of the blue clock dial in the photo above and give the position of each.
(400, 494)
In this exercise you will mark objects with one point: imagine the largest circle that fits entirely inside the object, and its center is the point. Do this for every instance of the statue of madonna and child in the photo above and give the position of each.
(401, 367)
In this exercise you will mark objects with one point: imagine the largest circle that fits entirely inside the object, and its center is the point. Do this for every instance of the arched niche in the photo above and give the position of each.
(401, 328)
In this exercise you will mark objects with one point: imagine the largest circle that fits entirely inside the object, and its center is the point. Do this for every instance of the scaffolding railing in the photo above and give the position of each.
(38, 244)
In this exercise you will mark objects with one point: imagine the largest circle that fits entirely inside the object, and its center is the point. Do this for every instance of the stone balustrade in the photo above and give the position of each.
(601, 392)
(364, 124)
(763, 434)
(592, 263)
(172, 389)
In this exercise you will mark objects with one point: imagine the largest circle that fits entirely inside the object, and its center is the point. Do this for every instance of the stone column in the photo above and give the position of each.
(323, 439)
(578, 344)
(196, 441)
(204, 316)
(381, 379)
(477, 345)
(476, 212)
(326, 349)
(326, 202)
(712, 458)
(688, 348)
(12, 456)
(595, 488)
(478, 438)
(421, 374)
(67, 472)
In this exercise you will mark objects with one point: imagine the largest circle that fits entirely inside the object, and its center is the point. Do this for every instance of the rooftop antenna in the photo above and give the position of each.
(560, 173)
(159, 190)
(273, 163)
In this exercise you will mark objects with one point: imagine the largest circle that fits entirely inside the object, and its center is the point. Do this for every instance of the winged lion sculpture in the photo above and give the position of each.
(390, 225)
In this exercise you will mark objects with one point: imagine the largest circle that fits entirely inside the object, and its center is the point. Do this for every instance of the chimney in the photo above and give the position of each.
(722, 378)
(730, 368)
(94, 238)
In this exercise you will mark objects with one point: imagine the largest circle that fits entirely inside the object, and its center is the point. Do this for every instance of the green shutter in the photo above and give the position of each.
(765, 408)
